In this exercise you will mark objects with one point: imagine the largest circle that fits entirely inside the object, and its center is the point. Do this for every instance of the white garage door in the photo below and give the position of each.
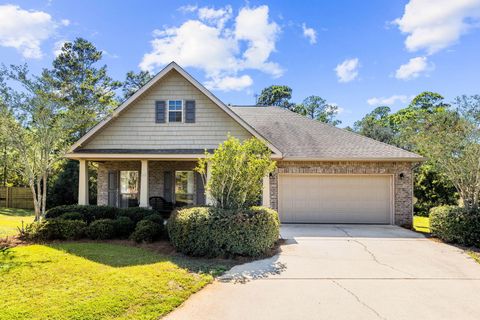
(307, 198)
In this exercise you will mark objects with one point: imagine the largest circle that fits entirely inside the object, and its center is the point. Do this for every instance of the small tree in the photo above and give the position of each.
(236, 172)
(451, 139)
(37, 125)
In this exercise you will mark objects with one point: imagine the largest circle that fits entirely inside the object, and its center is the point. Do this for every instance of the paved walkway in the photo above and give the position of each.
(345, 272)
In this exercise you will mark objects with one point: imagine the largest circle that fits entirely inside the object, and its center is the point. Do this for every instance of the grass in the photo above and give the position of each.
(475, 255)
(96, 281)
(421, 224)
(11, 218)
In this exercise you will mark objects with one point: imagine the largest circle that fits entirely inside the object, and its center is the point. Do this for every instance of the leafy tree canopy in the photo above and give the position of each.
(376, 125)
(84, 87)
(317, 108)
(452, 143)
(276, 96)
(134, 81)
(236, 170)
(430, 101)
(423, 104)
(469, 107)
(432, 187)
(313, 107)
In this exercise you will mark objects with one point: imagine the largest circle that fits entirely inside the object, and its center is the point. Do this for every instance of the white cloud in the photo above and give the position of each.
(309, 33)
(252, 26)
(57, 47)
(221, 52)
(436, 24)
(347, 70)
(215, 16)
(188, 8)
(106, 53)
(229, 83)
(26, 30)
(388, 101)
(334, 104)
(193, 44)
(413, 68)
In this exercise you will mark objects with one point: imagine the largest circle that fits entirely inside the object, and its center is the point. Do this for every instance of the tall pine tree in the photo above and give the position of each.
(84, 86)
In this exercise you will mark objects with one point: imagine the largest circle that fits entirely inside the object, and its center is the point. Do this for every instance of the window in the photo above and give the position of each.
(128, 188)
(175, 110)
(184, 187)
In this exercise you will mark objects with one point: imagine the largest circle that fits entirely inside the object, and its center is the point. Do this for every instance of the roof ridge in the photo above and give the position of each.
(343, 130)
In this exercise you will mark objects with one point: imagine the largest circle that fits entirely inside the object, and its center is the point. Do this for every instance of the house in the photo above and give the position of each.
(150, 144)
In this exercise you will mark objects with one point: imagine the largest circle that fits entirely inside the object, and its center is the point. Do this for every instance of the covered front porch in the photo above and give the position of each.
(143, 182)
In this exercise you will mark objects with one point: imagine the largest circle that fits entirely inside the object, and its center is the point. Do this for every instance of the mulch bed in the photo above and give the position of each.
(12, 241)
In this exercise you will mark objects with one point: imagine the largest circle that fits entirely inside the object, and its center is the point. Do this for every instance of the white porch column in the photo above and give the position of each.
(83, 182)
(208, 199)
(144, 185)
(266, 191)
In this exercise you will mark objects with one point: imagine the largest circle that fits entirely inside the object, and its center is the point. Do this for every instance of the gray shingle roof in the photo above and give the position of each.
(298, 137)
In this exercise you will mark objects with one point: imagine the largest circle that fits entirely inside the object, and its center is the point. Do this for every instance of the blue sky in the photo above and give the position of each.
(356, 54)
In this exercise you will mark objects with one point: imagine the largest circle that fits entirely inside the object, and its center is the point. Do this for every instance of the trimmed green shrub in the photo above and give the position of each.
(146, 231)
(124, 226)
(155, 218)
(101, 229)
(71, 216)
(72, 229)
(214, 232)
(454, 224)
(55, 229)
(135, 213)
(89, 213)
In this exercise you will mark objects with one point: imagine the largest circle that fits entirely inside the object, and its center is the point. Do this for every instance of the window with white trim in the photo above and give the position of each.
(175, 110)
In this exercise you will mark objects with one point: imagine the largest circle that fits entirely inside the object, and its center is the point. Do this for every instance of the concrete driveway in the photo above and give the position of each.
(345, 272)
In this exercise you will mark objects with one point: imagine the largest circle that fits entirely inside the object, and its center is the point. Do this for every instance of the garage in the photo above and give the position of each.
(315, 198)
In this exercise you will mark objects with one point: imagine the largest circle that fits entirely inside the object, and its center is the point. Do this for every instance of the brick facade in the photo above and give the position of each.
(403, 186)
(156, 171)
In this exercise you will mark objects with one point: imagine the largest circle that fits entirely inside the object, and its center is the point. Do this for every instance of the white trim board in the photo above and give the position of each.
(139, 156)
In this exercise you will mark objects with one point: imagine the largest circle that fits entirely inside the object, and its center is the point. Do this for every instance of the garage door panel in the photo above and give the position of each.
(335, 198)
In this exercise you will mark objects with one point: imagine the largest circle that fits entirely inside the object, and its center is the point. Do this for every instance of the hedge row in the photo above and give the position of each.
(213, 232)
(74, 222)
(91, 213)
(456, 224)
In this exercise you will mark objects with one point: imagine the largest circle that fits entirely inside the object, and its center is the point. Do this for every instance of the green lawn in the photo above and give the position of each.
(10, 219)
(421, 224)
(96, 281)
(475, 255)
